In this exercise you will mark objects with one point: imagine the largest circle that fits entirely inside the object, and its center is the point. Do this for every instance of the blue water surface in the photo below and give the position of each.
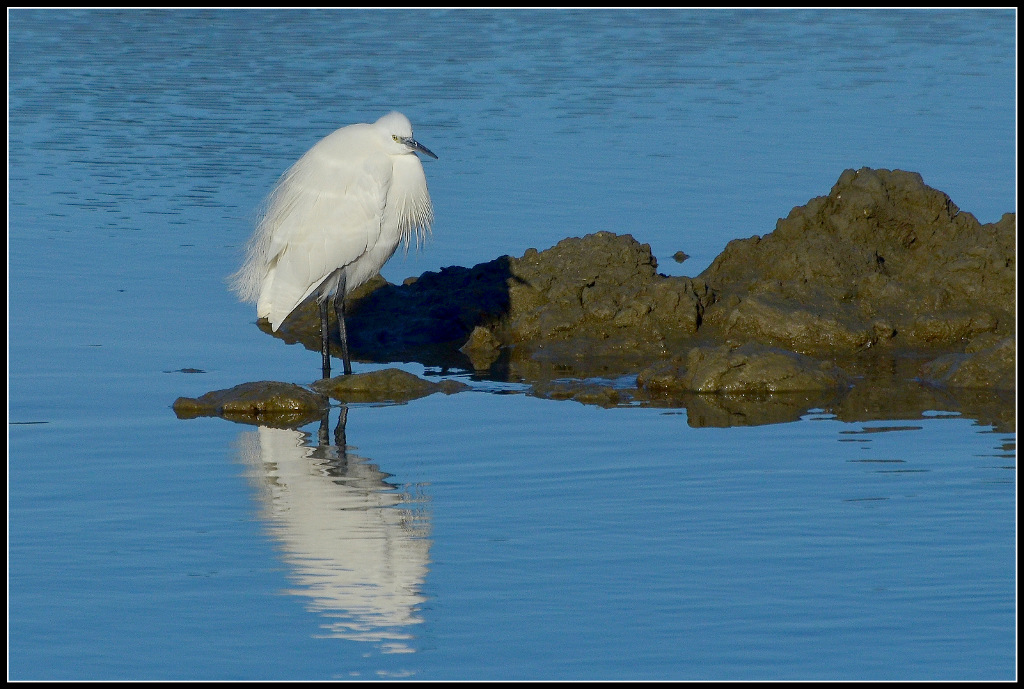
(488, 534)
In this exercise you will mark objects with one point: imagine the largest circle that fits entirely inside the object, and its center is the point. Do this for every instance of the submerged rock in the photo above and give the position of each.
(727, 410)
(748, 368)
(992, 367)
(581, 391)
(286, 405)
(267, 403)
(387, 385)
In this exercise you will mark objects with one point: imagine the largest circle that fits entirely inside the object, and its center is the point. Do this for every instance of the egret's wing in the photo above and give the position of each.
(324, 215)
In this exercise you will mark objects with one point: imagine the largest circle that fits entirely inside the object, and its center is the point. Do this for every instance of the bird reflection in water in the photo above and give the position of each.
(357, 545)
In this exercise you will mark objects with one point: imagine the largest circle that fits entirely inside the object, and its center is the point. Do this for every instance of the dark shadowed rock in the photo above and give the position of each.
(387, 385)
(266, 403)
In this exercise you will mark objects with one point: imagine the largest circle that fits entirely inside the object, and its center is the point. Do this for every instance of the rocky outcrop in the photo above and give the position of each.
(883, 264)
(881, 296)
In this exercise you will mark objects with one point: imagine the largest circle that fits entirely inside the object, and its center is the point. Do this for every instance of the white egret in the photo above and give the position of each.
(333, 220)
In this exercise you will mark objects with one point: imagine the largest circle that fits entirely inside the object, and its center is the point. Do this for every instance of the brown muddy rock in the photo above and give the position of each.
(603, 287)
(749, 368)
(387, 385)
(993, 367)
(883, 260)
(267, 403)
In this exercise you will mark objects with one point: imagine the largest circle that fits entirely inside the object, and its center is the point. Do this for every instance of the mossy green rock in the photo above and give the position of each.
(263, 402)
(387, 385)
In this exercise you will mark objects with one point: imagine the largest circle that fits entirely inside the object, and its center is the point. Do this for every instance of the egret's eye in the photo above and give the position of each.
(396, 137)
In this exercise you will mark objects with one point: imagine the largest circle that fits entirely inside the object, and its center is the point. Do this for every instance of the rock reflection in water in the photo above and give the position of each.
(357, 545)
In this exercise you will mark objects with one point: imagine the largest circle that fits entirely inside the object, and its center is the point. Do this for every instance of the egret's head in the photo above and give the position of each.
(397, 126)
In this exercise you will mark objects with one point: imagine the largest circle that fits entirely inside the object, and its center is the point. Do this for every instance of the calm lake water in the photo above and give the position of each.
(489, 534)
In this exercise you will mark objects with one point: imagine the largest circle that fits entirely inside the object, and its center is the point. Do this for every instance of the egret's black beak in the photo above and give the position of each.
(417, 146)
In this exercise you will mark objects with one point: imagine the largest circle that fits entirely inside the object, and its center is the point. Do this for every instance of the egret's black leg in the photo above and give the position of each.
(325, 339)
(339, 311)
